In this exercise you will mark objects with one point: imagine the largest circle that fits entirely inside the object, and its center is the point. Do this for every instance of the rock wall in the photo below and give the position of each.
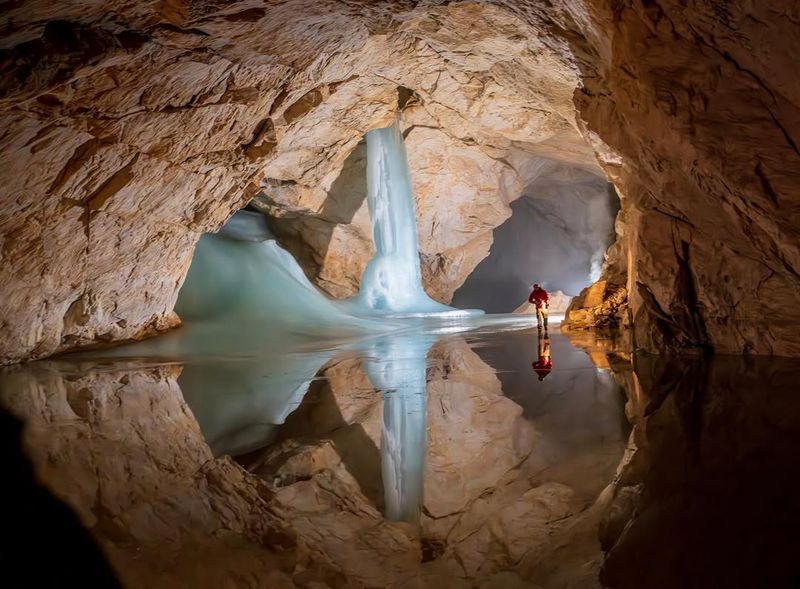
(127, 132)
(701, 110)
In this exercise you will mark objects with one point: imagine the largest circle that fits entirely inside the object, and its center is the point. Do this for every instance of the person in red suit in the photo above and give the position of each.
(540, 298)
(544, 364)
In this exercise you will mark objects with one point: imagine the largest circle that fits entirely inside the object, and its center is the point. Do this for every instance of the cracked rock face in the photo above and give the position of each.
(703, 116)
(126, 133)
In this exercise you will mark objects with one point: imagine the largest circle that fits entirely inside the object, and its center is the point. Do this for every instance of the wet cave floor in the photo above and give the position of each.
(479, 456)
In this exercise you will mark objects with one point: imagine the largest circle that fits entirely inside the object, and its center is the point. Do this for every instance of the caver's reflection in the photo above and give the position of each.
(396, 366)
(544, 364)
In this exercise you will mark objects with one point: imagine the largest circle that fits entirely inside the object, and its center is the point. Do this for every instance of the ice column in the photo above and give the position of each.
(392, 281)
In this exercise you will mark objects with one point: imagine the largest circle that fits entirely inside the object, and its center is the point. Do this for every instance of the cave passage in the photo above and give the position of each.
(557, 235)
(410, 432)
(241, 274)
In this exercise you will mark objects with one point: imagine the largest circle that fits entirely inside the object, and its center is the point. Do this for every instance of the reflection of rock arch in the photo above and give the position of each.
(122, 449)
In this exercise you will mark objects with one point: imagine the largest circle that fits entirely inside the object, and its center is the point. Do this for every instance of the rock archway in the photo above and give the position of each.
(127, 131)
(557, 235)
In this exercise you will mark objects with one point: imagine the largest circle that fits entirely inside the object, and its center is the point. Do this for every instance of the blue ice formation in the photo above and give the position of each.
(392, 281)
(242, 274)
(397, 366)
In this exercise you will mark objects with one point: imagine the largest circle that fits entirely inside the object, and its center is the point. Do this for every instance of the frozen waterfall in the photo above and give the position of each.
(241, 273)
(392, 282)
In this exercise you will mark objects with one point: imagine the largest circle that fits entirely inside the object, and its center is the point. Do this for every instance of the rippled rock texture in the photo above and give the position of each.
(127, 130)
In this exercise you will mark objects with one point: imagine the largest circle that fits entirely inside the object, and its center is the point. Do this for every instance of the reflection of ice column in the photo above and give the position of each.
(397, 367)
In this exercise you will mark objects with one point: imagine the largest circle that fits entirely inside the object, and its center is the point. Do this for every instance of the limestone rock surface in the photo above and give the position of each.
(601, 305)
(123, 138)
(128, 130)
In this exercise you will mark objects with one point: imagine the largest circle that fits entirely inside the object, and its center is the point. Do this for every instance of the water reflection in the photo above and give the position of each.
(443, 425)
(544, 364)
(396, 366)
(577, 408)
(447, 427)
(709, 498)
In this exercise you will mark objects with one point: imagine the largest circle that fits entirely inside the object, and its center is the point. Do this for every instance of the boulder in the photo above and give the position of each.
(601, 304)
(558, 304)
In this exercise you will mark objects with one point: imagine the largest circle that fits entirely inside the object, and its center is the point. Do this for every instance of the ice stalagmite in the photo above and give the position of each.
(392, 281)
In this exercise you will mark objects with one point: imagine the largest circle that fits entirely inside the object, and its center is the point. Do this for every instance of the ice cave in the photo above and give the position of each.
(345, 293)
